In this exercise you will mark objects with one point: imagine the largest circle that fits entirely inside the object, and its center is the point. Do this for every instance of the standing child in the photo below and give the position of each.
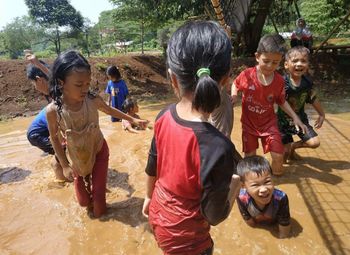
(259, 201)
(116, 89)
(299, 92)
(190, 171)
(261, 87)
(74, 113)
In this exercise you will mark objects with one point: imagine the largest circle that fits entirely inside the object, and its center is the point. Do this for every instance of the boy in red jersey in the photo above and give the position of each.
(261, 88)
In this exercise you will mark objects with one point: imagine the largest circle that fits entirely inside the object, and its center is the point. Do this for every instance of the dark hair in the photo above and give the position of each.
(128, 104)
(33, 71)
(64, 64)
(195, 45)
(256, 164)
(300, 49)
(113, 71)
(272, 44)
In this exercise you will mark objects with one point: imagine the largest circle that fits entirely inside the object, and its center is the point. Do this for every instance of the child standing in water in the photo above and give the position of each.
(190, 171)
(259, 201)
(116, 89)
(74, 113)
(299, 91)
(261, 87)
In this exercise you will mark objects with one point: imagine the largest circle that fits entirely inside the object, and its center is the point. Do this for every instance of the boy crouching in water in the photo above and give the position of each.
(259, 201)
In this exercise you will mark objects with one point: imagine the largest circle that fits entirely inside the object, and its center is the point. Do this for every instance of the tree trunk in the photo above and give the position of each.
(252, 32)
(58, 41)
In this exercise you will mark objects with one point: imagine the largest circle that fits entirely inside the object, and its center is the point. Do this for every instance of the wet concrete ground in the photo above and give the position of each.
(37, 217)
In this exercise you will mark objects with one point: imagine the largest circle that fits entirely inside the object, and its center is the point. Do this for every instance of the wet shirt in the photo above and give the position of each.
(39, 124)
(118, 91)
(193, 164)
(276, 211)
(297, 97)
(258, 116)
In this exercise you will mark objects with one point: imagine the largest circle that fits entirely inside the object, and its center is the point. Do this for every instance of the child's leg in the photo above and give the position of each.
(249, 143)
(309, 140)
(273, 144)
(58, 170)
(82, 191)
(99, 180)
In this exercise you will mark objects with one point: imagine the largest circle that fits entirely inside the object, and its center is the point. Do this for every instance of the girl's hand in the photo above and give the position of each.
(68, 173)
(140, 123)
(319, 121)
(145, 207)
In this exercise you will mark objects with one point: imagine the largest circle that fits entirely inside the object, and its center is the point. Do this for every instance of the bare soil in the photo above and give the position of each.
(146, 78)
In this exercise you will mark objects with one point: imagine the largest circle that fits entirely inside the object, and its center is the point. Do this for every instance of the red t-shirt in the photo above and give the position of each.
(258, 114)
(193, 163)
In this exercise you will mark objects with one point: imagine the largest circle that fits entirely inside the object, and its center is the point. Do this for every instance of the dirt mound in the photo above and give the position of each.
(145, 76)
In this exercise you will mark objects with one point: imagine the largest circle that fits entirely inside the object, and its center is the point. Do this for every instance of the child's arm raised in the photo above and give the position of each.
(51, 116)
(29, 56)
(287, 109)
(321, 115)
(102, 106)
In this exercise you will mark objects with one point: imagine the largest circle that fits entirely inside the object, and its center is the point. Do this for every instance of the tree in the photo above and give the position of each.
(323, 15)
(55, 14)
(21, 28)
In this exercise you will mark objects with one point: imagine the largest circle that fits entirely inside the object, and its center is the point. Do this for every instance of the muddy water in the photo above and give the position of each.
(38, 216)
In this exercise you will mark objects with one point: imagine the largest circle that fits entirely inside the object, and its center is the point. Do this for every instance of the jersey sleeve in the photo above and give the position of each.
(151, 167)
(243, 210)
(108, 88)
(215, 206)
(283, 216)
(239, 81)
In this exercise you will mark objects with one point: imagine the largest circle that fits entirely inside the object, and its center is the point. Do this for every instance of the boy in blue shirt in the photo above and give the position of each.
(116, 88)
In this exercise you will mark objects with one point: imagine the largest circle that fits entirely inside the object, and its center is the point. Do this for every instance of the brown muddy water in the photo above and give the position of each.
(38, 216)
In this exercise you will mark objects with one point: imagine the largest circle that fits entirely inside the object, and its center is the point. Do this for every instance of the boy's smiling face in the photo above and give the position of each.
(297, 64)
(259, 187)
(268, 62)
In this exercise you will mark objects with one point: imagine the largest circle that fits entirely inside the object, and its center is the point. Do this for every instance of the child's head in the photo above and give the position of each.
(297, 61)
(199, 59)
(301, 23)
(113, 73)
(255, 173)
(38, 78)
(269, 53)
(70, 77)
(130, 105)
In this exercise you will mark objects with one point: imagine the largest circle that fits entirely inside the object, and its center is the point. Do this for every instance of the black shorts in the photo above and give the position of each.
(287, 137)
(41, 140)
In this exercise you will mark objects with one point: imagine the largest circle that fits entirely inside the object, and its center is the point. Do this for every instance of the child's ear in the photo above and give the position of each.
(174, 83)
(257, 56)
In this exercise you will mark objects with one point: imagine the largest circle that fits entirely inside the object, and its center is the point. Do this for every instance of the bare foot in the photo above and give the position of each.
(57, 184)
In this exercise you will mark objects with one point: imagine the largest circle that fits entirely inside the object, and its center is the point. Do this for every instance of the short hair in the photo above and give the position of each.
(253, 164)
(128, 104)
(33, 71)
(299, 49)
(272, 44)
(113, 71)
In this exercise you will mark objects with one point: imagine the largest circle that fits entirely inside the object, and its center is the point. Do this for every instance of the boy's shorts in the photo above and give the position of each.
(287, 137)
(270, 143)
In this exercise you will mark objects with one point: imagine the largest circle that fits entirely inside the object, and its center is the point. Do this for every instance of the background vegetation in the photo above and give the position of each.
(54, 25)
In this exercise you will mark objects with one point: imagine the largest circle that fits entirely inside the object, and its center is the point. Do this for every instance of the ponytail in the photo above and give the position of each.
(206, 94)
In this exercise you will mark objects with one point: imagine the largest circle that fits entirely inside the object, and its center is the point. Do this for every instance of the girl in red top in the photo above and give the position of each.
(190, 171)
(261, 88)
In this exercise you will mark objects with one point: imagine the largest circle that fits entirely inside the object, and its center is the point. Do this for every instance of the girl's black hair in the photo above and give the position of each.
(272, 44)
(64, 64)
(113, 71)
(33, 71)
(255, 164)
(195, 45)
(128, 104)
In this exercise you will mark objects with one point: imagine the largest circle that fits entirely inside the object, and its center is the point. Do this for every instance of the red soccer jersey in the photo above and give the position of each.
(193, 164)
(258, 114)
